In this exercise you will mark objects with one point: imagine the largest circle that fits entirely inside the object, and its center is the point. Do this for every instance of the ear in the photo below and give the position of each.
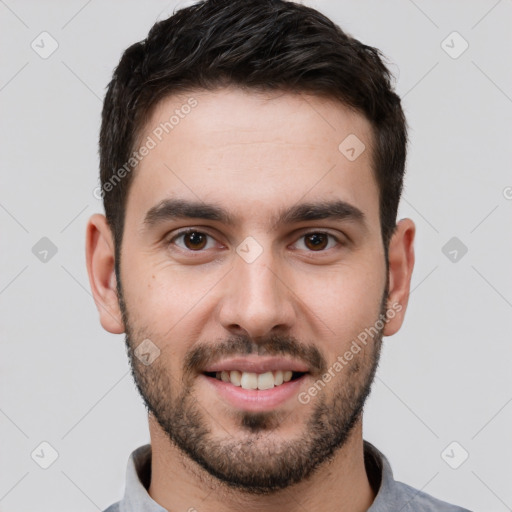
(100, 257)
(401, 264)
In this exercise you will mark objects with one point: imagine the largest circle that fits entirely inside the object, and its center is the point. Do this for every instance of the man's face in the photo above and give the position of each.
(265, 292)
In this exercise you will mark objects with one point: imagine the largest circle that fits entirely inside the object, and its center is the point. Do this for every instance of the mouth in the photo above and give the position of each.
(256, 384)
(255, 381)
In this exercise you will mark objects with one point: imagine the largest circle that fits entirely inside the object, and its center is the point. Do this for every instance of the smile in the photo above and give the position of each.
(251, 380)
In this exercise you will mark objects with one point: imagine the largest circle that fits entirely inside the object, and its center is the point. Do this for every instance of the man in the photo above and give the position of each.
(252, 159)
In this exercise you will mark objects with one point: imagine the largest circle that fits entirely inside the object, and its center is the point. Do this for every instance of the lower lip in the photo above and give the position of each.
(255, 400)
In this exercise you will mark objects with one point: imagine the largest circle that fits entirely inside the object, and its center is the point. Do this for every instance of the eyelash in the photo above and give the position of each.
(193, 230)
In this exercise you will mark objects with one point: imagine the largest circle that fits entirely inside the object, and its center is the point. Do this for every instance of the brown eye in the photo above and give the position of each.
(194, 240)
(191, 240)
(317, 241)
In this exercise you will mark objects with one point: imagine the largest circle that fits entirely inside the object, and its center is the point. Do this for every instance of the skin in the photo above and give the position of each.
(253, 154)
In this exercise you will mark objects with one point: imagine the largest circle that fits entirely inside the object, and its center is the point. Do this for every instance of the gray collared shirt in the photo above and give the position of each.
(392, 496)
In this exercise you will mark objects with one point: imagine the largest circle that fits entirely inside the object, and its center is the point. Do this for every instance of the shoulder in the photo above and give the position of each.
(113, 508)
(417, 501)
(393, 495)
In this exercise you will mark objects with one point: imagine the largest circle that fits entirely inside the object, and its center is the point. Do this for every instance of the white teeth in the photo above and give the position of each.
(236, 377)
(251, 380)
(265, 380)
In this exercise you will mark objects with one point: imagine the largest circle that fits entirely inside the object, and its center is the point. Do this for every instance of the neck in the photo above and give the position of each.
(340, 485)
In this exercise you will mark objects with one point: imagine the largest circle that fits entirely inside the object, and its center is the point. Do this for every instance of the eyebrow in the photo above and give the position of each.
(176, 209)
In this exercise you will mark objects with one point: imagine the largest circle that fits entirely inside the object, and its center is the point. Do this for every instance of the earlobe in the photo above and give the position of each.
(100, 258)
(401, 265)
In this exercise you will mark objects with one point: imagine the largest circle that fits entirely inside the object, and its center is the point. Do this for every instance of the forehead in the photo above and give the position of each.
(254, 152)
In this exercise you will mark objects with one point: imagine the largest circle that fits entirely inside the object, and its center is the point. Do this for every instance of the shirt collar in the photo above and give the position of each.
(381, 478)
(138, 476)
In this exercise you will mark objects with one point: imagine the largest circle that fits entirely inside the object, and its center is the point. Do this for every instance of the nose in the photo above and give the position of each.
(257, 300)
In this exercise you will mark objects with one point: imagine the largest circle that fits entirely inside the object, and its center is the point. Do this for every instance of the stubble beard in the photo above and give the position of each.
(259, 460)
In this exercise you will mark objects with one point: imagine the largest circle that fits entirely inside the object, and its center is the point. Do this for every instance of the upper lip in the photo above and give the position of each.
(257, 364)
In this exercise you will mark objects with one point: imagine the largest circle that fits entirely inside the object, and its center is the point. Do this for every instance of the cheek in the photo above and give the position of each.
(169, 305)
(347, 303)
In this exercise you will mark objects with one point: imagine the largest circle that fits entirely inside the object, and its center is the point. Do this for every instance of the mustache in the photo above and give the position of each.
(241, 345)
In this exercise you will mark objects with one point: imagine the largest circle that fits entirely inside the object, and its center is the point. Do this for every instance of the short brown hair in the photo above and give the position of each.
(262, 45)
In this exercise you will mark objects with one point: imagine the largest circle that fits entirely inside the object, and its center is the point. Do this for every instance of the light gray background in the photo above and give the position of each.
(444, 377)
